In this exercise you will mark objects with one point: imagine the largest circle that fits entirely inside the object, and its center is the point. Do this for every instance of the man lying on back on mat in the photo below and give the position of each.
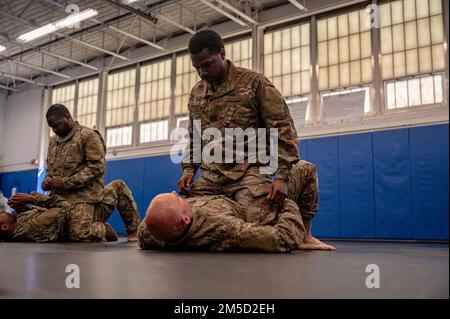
(49, 217)
(44, 221)
(216, 223)
(213, 215)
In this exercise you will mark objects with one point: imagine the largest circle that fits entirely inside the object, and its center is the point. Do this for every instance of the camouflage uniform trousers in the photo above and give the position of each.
(303, 188)
(250, 191)
(86, 220)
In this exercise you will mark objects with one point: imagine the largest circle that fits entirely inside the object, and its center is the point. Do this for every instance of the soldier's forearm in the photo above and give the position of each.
(83, 177)
(190, 169)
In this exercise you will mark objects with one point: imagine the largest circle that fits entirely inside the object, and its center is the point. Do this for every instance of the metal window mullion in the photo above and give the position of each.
(173, 74)
(348, 47)
(44, 129)
(417, 49)
(431, 42)
(445, 19)
(377, 89)
(101, 100)
(257, 49)
(49, 102)
(359, 47)
(135, 134)
(75, 101)
(404, 53)
(314, 84)
(407, 93)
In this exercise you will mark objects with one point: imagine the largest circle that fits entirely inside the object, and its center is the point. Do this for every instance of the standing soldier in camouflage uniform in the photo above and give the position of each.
(234, 97)
(303, 188)
(216, 223)
(75, 169)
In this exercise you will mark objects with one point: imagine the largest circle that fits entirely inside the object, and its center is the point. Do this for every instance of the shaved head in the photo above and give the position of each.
(167, 216)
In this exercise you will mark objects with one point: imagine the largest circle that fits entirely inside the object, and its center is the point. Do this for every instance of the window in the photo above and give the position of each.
(240, 53)
(415, 91)
(65, 95)
(154, 101)
(120, 105)
(287, 59)
(87, 103)
(186, 77)
(344, 50)
(412, 38)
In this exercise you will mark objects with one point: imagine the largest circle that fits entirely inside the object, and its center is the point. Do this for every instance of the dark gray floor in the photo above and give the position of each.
(122, 270)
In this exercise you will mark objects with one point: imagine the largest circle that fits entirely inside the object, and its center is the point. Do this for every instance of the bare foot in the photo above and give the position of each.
(132, 238)
(312, 243)
(110, 235)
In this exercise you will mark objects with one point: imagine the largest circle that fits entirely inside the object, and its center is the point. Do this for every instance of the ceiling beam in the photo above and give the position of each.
(21, 78)
(114, 28)
(32, 66)
(238, 12)
(298, 5)
(149, 17)
(8, 88)
(67, 37)
(223, 12)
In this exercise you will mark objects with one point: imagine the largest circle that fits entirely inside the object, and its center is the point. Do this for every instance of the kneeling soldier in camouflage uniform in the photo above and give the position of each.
(75, 170)
(216, 223)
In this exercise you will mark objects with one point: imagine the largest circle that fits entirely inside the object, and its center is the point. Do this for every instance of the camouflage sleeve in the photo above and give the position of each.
(284, 236)
(50, 167)
(309, 198)
(275, 114)
(46, 201)
(188, 164)
(94, 155)
(146, 240)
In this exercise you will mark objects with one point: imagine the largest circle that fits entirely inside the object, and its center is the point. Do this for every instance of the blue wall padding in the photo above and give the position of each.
(392, 181)
(146, 177)
(357, 217)
(429, 179)
(389, 184)
(324, 151)
(23, 181)
(303, 149)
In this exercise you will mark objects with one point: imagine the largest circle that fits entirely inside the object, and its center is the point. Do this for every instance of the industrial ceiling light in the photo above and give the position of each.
(2, 48)
(128, 1)
(67, 22)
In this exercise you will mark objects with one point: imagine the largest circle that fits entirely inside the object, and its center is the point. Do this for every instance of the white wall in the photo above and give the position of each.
(21, 130)
(2, 125)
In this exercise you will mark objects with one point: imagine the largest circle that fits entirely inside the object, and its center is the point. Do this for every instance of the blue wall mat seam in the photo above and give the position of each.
(411, 185)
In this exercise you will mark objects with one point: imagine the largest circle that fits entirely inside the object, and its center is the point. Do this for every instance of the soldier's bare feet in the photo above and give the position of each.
(110, 235)
(312, 243)
(132, 238)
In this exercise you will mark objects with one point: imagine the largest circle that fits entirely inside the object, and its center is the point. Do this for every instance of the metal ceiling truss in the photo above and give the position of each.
(225, 13)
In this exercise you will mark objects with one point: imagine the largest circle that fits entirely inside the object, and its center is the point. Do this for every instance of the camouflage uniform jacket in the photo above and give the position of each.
(79, 158)
(44, 221)
(217, 225)
(245, 99)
